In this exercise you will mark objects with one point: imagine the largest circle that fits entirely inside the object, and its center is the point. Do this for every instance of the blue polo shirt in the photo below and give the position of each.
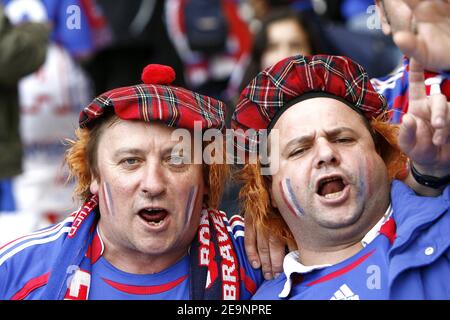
(408, 259)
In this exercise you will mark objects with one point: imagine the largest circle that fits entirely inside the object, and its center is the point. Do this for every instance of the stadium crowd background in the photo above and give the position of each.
(215, 46)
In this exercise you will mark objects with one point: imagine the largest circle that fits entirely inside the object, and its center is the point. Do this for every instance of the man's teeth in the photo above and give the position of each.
(333, 195)
(155, 223)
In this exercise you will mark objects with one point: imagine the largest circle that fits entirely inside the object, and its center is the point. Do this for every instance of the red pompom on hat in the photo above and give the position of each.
(158, 74)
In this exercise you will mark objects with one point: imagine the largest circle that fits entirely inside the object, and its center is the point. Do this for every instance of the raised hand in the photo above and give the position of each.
(425, 130)
(429, 40)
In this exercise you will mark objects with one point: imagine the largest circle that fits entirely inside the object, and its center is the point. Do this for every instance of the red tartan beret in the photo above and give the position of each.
(157, 100)
(296, 78)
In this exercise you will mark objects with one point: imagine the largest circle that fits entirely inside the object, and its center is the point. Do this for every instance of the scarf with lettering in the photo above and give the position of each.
(214, 266)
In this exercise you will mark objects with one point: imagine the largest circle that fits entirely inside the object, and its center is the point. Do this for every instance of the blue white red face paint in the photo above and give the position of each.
(108, 198)
(289, 197)
(190, 204)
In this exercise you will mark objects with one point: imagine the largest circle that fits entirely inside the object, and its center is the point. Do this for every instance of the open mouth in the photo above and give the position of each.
(331, 187)
(153, 216)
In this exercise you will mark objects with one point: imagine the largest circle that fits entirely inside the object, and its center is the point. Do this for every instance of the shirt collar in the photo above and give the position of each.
(292, 265)
(375, 231)
(96, 248)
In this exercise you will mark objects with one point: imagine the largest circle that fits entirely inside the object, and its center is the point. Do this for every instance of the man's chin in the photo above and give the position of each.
(154, 249)
(340, 218)
(162, 246)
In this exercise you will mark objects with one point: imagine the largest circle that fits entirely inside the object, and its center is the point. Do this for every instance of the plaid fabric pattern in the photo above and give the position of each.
(174, 106)
(292, 77)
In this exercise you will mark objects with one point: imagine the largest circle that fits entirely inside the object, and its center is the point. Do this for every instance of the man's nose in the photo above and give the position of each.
(327, 154)
(153, 182)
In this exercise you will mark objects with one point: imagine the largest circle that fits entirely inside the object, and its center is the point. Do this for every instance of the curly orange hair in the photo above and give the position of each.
(255, 196)
(81, 157)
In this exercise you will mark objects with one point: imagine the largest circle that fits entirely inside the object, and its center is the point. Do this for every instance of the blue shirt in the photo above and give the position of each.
(410, 262)
(70, 27)
(27, 265)
(358, 277)
(110, 283)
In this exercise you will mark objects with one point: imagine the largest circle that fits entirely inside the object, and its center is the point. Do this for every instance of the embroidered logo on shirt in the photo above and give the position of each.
(344, 293)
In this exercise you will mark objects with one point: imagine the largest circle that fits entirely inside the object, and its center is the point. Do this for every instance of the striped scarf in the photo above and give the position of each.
(213, 270)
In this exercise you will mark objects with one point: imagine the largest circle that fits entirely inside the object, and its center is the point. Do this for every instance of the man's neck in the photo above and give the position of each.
(337, 249)
(331, 256)
(135, 262)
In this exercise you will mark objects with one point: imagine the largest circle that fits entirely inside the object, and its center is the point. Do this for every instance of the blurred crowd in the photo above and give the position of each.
(65, 52)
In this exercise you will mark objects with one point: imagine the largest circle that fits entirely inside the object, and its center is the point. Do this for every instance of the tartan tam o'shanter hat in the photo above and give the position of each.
(298, 78)
(157, 100)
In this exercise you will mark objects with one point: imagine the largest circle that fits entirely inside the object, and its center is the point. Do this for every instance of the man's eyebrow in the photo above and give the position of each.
(309, 137)
(121, 151)
(180, 146)
(299, 140)
(335, 131)
(137, 151)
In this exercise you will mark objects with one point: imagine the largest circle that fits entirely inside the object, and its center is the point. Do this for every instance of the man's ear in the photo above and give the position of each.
(384, 19)
(94, 186)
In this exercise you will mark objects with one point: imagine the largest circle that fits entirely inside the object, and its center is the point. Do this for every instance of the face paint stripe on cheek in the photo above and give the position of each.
(108, 198)
(190, 205)
(289, 197)
(362, 183)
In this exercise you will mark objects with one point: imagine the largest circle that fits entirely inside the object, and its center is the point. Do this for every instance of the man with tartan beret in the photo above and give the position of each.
(148, 227)
(333, 190)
